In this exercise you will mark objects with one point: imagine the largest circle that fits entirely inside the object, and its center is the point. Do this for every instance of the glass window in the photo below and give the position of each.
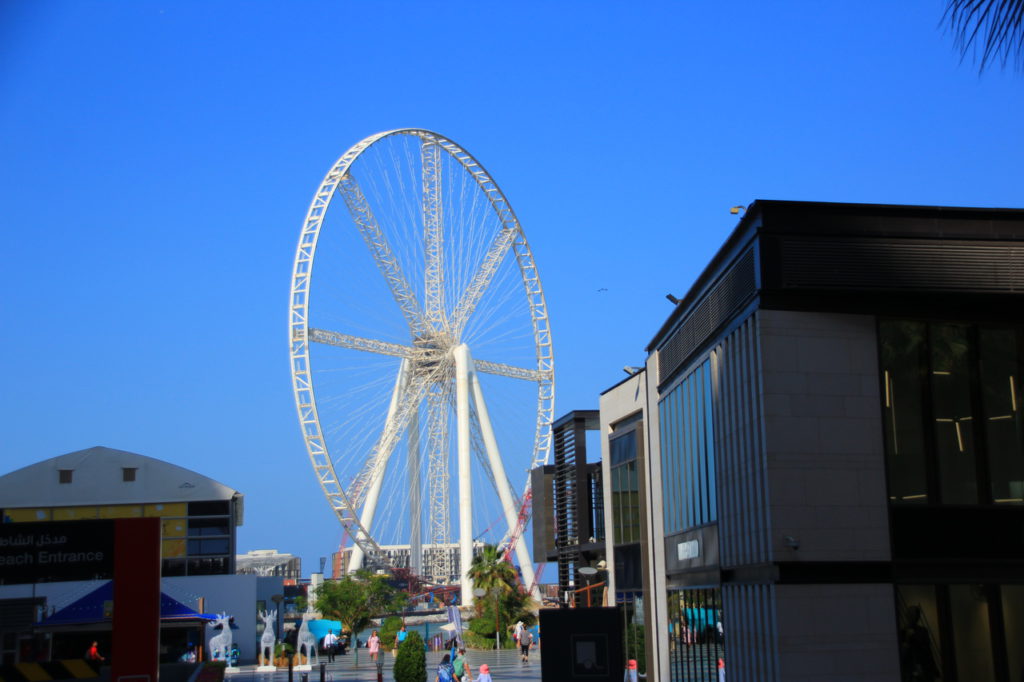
(1000, 376)
(128, 474)
(173, 567)
(902, 354)
(64, 475)
(208, 566)
(971, 636)
(209, 508)
(209, 526)
(920, 654)
(211, 546)
(951, 407)
(687, 452)
(1013, 624)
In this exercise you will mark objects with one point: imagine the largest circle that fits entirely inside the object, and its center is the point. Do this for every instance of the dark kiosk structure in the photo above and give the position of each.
(836, 483)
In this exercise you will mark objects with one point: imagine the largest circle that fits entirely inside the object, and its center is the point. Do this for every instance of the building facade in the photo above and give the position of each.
(198, 516)
(90, 488)
(835, 450)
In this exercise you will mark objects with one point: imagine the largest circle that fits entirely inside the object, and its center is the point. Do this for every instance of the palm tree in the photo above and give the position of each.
(489, 571)
(995, 27)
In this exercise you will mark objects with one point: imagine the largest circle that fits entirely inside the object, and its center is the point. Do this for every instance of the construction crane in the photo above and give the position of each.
(524, 518)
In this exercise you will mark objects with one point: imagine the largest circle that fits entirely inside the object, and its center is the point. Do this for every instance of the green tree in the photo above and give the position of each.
(388, 630)
(411, 661)
(490, 571)
(993, 28)
(504, 603)
(356, 600)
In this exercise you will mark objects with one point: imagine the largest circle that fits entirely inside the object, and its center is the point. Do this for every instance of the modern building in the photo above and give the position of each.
(92, 489)
(627, 508)
(199, 516)
(835, 452)
(569, 514)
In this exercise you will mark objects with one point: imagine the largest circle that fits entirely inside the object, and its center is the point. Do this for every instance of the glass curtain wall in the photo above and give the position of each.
(688, 453)
(952, 413)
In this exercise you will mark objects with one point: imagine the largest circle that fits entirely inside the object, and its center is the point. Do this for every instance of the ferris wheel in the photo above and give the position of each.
(420, 348)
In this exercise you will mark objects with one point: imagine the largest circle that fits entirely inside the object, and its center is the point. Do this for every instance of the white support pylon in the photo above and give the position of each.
(462, 366)
(373, 495)
(501, 485)
(415, 497)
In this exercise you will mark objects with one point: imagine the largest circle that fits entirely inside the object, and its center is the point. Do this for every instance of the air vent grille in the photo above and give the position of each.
(731, 292)
(911, 265)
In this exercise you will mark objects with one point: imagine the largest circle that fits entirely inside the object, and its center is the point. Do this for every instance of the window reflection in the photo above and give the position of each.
(999, 376)
(903, 363)
(951, 394)
(951, 406)
(688, 452)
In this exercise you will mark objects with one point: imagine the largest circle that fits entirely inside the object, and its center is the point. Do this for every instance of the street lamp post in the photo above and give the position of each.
(588, 574)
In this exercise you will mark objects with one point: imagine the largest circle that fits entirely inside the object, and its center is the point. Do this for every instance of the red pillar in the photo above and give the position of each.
(135, 652)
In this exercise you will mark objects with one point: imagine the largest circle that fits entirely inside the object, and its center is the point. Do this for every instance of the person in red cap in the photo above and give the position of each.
(485, 673)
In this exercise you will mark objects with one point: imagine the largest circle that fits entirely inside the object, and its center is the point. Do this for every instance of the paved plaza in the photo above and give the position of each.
(505, 667)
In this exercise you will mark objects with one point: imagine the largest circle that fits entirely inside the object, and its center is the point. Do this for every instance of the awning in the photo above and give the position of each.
(96, 608)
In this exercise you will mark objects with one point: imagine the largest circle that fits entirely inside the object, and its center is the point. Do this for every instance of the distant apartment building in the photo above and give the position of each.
(397, 556)
(269, 562)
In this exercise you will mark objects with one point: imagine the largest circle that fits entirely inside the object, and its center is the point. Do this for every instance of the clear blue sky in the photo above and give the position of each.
(157, 159)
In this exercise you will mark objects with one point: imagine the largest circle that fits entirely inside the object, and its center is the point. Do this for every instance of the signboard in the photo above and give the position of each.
(688, 550)
(40, 552)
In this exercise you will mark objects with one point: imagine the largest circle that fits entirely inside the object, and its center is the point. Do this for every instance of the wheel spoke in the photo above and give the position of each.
(481, 279)
(381, 251)
(397, 350)
(340, 340)
(408, 401)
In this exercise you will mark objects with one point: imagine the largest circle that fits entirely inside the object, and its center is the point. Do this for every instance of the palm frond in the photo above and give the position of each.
(993, 28)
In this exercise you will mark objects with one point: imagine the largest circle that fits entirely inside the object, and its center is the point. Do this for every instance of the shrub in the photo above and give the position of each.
(411, 661)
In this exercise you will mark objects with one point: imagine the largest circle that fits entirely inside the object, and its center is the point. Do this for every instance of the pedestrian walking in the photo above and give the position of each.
(525, 642)
(485, 673)
(445, 671)
(461, 667)
(330, 644)
(373, 645)
(399, 638)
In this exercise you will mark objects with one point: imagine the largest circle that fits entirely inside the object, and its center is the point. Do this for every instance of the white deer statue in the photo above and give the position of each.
(268, 641)
(306, 639)
(220, 644)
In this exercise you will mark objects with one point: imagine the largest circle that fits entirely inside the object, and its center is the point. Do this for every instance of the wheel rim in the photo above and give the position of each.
(447, 249)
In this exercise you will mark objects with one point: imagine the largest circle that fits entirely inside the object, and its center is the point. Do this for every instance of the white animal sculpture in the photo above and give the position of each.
(220, 644)
(268, 641)
(306, 639)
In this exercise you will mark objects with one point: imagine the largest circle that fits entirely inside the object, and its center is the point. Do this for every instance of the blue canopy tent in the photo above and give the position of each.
(95, 610)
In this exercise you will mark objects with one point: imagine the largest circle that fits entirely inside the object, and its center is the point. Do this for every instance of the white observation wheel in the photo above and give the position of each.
(420, 344)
